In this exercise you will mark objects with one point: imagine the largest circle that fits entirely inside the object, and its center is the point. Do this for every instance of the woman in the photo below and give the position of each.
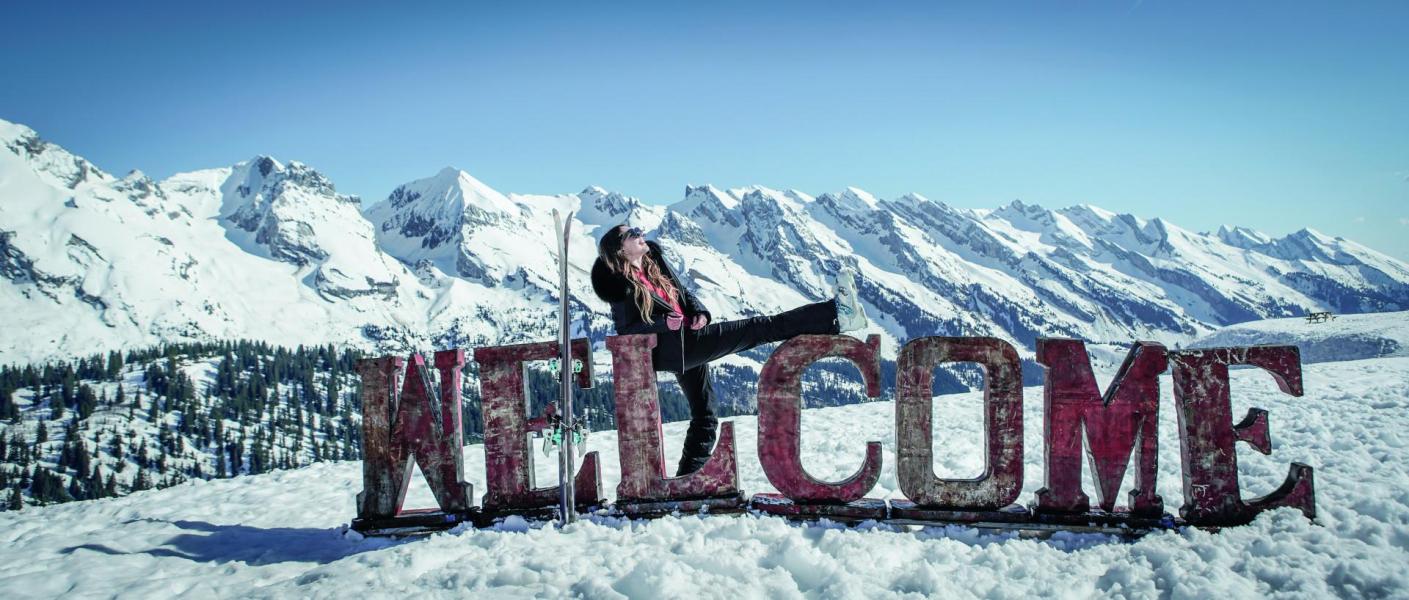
(646, 297)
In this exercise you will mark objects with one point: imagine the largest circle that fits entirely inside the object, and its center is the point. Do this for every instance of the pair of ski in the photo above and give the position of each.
(568, 425)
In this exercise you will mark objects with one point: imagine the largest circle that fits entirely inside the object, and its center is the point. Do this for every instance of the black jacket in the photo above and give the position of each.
(618, 291)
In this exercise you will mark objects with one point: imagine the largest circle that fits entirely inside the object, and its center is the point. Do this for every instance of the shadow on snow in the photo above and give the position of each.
(210, 543)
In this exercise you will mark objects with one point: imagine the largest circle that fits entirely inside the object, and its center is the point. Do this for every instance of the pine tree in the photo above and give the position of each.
(16, 500)
(115, 365)
(66, 391)
(143, 481)
(7, 402)
(95, 484)
(82, 461)
(87, 401)
(19, 449)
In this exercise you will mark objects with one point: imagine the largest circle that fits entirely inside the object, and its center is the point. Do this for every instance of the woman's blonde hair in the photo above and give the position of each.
(611, 252)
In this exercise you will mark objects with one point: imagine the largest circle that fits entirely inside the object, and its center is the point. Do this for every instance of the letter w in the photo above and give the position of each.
(415, 424)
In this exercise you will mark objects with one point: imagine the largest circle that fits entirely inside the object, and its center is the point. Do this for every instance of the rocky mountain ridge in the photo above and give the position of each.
(271, 251)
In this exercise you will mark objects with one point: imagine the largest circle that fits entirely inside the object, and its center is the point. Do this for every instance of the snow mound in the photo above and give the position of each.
(1348, 337)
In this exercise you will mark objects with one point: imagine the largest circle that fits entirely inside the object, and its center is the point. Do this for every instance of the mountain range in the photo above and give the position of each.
(269, 250)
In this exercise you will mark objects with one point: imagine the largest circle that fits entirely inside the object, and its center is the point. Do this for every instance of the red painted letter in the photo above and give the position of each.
(1125, 421)
(1002, 478)
(780, 417)
(416, 424)
(1207, 434)
(508, 458)
(639, 436)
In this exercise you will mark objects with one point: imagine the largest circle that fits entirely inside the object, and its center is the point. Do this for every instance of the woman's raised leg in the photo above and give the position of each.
(718, 340)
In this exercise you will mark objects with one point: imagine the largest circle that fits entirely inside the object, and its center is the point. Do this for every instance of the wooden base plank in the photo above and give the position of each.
(718, 504)
(413, 522)
(858, 510)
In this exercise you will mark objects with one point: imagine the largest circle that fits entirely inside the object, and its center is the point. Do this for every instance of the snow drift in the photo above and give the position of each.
(1347, 337)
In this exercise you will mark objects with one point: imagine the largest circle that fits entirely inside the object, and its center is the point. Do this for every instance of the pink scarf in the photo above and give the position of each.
(674, 304)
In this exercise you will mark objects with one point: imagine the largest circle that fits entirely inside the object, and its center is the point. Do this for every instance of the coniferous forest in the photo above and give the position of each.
(110, 424)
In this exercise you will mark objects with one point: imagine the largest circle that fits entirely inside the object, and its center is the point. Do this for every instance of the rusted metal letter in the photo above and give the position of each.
(1001, 480)
(416, 424)
(1123, 422)
(1207, 434)
(508, 455)
(643, 477)
(780, 417)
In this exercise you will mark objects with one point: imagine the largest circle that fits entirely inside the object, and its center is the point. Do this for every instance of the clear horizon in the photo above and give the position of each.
(1273, 117)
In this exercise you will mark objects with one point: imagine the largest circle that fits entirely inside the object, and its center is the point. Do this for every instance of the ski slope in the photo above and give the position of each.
(280, 534)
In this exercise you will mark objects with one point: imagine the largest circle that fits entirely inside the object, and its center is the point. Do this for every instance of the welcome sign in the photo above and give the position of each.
(406, 417)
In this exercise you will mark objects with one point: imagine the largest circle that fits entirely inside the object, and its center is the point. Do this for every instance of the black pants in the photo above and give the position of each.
(718, 340)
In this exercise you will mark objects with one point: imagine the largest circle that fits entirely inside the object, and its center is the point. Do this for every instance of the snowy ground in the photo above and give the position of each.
(278, 535)
(1369, 335)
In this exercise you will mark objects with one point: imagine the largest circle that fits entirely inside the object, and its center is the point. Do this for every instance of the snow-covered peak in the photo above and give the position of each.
(10, 131)
(707, 204)
(607, 203)
(1310, 234)
(913, 199)
(50, 161)
(451, 193)
(1307, 244)
(1242, 237)
(255, 183)
(851, 199)
(438, 219)
(137, 184)
(251, 177)
(1025, 215)
(768, 199)
(698, 195)
(1089, 217)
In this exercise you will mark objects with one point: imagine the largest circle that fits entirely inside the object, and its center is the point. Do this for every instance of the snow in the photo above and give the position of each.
(279, 534)
(1347, 337)
(99, 263)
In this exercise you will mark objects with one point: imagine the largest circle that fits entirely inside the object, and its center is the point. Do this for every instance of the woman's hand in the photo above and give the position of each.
(698, 322)
(673, 321)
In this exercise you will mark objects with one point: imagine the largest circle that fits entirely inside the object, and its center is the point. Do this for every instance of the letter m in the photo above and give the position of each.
(412, 424)
(1120, 423)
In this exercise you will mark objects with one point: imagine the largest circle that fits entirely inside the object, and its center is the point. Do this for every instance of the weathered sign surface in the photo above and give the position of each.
(780, 435)
(417, 424)
(643, 477)
(1207, 434)
(508, 455)
(406, 418)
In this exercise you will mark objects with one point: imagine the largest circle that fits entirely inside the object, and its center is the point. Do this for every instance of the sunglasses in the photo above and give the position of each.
(634, 232)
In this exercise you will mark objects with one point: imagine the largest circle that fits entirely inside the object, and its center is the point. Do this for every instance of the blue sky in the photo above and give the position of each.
(1273, 115)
